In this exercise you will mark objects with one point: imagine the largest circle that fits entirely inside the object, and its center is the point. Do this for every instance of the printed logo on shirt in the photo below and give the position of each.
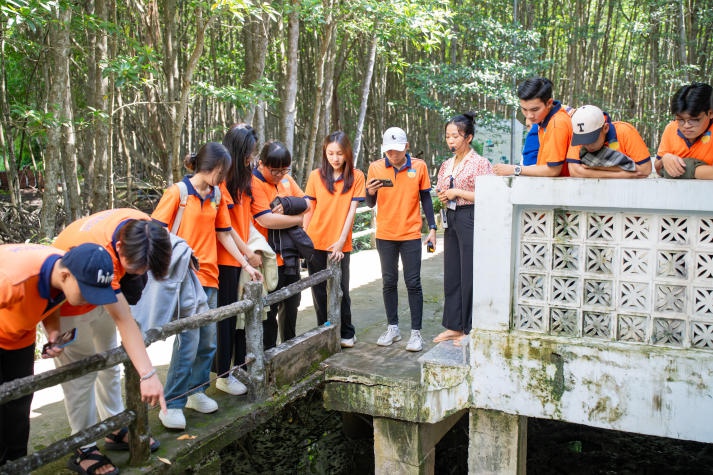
(706, 137)
(411, 172)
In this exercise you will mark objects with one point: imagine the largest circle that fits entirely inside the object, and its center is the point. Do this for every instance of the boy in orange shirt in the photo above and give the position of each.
(554, 131)
(686, 149)
(35, 281)
(619, 144)
(396, 184)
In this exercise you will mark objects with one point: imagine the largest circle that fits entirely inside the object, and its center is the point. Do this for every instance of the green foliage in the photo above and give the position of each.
(490, 57)
(27, 13)
(132, 70)
(262, 90)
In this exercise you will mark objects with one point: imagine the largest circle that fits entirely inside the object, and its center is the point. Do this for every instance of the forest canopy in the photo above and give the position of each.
(104, 99)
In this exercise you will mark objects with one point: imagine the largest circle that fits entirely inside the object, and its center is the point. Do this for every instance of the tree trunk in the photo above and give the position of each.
(59, 86)
(256, 43)
(303, 171)
(182, 106)
(7, 145)
(289, 103)
(365, 88)
(97, 181)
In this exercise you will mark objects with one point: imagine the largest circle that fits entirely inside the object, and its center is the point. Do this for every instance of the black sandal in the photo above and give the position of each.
(117, 441)
(88, 454)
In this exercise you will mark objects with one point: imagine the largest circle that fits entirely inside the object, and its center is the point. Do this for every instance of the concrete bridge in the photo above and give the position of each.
(597, 312)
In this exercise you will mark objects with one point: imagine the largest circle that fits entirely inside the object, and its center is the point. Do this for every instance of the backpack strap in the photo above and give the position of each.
(216, 194)
(183, 193)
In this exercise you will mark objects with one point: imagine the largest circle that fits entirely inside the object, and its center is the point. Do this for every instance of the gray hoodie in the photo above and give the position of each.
(179, 295)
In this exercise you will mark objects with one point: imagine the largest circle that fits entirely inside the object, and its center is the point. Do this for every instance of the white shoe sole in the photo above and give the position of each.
(381, 343)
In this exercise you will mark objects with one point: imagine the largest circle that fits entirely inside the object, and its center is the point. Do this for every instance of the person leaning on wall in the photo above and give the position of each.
(554, 131)
(686, 150)
(605, 149)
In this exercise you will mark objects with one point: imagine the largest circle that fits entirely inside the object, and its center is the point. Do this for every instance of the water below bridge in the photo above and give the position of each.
(306, 438)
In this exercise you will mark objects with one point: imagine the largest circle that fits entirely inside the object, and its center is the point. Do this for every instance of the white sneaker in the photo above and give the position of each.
(231, 385)
(348, 342)
(391, 335)
(173, 419)
(415, 343)
(201, 403)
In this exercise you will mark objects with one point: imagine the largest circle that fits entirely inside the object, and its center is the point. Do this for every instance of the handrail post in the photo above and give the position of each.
(254, 341)
(139, 436)
(334, 296)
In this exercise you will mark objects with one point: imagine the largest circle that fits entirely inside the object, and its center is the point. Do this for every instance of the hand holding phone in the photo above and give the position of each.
(62, 340)
(386, 182)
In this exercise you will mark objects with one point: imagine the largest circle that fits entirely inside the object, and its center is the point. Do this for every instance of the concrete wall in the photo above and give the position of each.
(593, 302)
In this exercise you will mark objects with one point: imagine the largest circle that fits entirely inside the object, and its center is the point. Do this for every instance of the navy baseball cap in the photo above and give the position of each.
(93, 268)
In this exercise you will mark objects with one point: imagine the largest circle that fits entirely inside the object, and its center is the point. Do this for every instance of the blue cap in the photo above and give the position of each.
(93, 268)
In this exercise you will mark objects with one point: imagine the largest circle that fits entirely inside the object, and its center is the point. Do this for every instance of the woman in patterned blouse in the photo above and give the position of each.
(456, 190)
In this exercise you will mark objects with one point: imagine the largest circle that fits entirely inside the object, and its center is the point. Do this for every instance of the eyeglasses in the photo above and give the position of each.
(695, 122)
(278, 172)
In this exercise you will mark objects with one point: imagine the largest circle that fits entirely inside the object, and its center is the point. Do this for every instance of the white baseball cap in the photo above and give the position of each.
(587, 123)
(394, 139)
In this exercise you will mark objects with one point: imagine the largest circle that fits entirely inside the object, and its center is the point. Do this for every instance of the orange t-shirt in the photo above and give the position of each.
(330, 209)
(240, 218)
(398, 208)
(264, 193)
(628, 142)
(25, 292)
(673, 142)
(555, 135)
(99, 228)
(201, 219)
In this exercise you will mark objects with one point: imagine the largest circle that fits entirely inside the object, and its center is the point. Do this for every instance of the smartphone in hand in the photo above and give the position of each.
(62, 340)
(386, 182)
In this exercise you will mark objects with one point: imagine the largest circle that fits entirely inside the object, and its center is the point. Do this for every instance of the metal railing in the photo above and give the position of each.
(136, 414)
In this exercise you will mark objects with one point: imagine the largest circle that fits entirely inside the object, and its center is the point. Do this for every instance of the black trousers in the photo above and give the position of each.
(410, 253)
(285, 311)
(319, 291)
(231, 347)
(15, 415)
(458, 269)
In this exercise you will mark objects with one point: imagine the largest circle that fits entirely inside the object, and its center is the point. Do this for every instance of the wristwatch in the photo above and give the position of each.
(516, 170)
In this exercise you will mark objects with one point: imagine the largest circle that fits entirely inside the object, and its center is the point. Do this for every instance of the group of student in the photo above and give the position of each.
(99, 265)
(240, 213)
(586, 142)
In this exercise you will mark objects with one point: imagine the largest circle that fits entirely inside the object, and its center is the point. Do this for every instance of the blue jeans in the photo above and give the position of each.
(193, 352)
(410, 252)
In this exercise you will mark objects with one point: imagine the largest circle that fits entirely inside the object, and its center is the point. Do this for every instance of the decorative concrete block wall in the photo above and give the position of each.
(593, 302)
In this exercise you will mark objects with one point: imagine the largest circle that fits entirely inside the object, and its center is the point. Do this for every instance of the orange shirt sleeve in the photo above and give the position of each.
(555, 140)
(222, 217)
(359, 186)
(631, 144)
(165, 212)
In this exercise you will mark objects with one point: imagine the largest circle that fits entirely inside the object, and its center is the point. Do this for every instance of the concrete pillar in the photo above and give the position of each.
(407, 448)
(498, 443)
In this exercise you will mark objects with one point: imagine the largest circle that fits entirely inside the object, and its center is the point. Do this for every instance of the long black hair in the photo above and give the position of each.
(326, 170)
(240, 141)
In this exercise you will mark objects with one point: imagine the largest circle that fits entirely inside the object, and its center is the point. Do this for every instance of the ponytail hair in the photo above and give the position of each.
(465, 123)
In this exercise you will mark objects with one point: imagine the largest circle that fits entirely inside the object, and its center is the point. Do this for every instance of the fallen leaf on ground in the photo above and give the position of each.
(166, 461)
(186, 437)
